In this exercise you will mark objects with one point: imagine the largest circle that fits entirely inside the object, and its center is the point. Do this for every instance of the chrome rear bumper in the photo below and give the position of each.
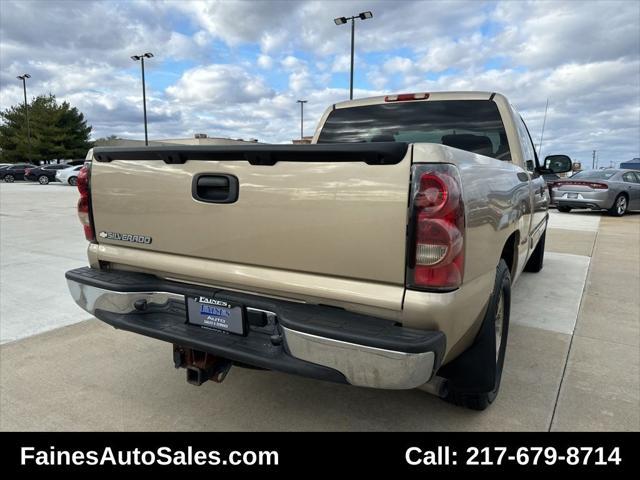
(359, 364)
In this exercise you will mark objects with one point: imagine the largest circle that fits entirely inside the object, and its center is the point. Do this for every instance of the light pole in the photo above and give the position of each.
(26, 109)
(135, 58)
(342, 21)
(301, 102)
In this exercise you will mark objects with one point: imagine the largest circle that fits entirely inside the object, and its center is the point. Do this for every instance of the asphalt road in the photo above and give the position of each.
(573, 326)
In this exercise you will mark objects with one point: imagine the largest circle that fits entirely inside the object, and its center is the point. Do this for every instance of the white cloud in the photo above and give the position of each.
(292, 63)
(398, 65)
(541, 34)
(265, 61)
(237, 68)
(218, 84)
(342, 63)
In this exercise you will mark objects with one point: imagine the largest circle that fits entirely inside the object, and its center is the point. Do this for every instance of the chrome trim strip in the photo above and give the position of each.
(362, 365)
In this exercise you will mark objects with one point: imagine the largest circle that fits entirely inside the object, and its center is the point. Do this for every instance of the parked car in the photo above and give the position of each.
(381, 255)
(69, 175)
(44, 174)
(14, 172)
(612, 189)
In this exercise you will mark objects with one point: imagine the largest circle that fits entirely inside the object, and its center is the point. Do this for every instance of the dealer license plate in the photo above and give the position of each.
(216, 314)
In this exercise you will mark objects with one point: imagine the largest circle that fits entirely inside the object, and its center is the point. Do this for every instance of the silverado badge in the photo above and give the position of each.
(125, 237)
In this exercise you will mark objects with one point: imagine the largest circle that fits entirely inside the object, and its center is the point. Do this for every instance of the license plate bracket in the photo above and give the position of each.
(216, 314)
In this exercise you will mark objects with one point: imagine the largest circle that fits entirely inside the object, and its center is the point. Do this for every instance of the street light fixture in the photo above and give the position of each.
(301, 102)
(342, 21)
(26, 109)
(135, 58)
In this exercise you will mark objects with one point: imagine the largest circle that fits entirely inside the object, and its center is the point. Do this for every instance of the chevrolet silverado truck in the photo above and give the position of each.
(381, 255)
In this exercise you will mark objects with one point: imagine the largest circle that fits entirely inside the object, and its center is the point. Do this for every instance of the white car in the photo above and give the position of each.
(69, 176)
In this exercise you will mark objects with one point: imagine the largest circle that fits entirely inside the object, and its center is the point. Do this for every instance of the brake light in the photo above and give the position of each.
(84, 203)
(403, 97)
(594, 185)
(436, 235)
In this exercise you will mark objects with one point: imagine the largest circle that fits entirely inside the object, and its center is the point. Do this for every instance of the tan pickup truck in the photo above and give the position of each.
(381, 255)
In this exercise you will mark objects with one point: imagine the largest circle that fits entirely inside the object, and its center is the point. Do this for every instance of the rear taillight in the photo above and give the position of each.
(594, 185)
(84, 204)
(436, 235)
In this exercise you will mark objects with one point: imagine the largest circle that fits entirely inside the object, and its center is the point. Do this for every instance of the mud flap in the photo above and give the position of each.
(468, 372)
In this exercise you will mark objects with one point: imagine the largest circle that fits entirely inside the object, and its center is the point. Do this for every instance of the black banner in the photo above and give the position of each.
(314, 453)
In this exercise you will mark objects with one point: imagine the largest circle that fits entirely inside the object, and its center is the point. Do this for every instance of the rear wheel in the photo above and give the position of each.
(43, 179)
(474, 377)
(564, 209)
(9, 178)
(536, 260)
(73, 181)
(619, 207)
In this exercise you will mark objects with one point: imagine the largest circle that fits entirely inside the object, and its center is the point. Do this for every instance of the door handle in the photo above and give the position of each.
(215, 188)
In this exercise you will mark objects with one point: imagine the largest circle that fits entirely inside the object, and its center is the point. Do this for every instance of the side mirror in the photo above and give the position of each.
(558, 163)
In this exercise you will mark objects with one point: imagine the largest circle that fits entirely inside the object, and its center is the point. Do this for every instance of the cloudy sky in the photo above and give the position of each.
(236, 68)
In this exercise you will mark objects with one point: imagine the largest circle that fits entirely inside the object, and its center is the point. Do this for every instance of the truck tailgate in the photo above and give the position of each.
(336, 214)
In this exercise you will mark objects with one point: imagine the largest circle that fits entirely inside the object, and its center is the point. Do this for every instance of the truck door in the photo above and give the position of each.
(538, 187)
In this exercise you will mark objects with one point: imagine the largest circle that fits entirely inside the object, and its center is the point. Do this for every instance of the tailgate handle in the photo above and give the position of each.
(215, 188)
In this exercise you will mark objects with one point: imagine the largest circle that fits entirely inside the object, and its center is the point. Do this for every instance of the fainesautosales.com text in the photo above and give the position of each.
(139, 457)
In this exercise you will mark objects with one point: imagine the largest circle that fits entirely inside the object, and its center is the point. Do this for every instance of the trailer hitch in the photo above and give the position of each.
(200, 366)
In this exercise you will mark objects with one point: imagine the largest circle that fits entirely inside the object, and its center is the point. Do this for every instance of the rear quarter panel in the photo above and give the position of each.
(497, 201)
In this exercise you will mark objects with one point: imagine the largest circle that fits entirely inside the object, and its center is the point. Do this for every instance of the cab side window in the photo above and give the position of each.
(528, 151)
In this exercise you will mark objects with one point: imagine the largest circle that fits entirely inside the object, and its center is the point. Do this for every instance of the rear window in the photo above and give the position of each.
(596, 174)
(471, 125)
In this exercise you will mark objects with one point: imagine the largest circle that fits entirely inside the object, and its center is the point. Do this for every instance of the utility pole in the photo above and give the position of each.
(342, 21)
(301, 102)
(135, 58)
(26, 109)
(353, 33)
(593, 160)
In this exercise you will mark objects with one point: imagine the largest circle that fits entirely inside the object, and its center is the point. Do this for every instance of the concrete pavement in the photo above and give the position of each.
(601, 386)
(571, 362)
(40, 238)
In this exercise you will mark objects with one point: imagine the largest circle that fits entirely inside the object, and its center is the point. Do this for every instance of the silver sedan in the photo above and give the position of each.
(614, 190)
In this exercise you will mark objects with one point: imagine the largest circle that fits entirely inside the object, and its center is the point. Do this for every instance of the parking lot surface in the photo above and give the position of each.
(572, 358)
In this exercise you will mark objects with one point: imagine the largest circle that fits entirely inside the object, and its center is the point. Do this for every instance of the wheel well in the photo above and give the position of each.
(621, 194)
(510, 252)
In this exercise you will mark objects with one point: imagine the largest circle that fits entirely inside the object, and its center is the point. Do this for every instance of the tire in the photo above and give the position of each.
(564, 209)
(43, 180)
(73, 181)
(474, 377)
(620, 205)
(536, 260)
(9, 178)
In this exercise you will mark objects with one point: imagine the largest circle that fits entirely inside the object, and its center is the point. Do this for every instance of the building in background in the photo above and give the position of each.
(197, 139)
(631, 164)
(302, 141)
